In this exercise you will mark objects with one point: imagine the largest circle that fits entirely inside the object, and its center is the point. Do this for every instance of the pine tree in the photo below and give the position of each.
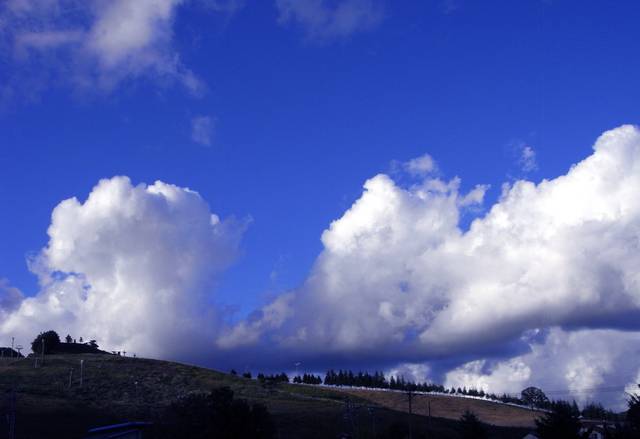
(470, 427)
(633, 414)
(383, 381)
(562, 423)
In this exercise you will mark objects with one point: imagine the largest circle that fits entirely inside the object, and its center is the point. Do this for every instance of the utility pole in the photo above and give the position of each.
(35, 354)
(409, 393)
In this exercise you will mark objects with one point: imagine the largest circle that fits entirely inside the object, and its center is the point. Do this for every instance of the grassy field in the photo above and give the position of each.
(53, 402)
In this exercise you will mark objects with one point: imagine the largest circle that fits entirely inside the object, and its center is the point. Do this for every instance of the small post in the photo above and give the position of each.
(372, 413)
(410, 424)
(70, 376)
(137, 400)
(81, 364)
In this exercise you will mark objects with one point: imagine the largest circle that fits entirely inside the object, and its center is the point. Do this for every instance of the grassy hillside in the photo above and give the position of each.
(116, 389)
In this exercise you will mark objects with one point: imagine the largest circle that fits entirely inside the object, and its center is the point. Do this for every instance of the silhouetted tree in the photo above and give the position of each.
(594, 411)
(633, 414)
(534, 397)
(330, 378)
(631, 428)
(470, 426)
(562, 423)
(68, 338)
(51, 341)
(218, 415)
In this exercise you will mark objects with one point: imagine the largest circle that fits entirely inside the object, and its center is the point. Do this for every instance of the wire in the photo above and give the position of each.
(583, 391)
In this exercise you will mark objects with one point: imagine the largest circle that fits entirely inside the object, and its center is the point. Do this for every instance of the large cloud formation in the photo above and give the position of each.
(539, 282)
(542, 290)
(133, 267)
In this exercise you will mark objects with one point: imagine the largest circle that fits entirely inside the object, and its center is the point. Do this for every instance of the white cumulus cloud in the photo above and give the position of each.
(134, 267)
(398, 278)
(544, 286)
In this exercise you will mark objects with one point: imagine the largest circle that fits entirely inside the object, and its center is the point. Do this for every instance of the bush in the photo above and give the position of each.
(51, 341)
(218, 415)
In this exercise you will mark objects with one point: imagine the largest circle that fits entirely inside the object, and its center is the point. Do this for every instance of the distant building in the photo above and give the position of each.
(598, 428)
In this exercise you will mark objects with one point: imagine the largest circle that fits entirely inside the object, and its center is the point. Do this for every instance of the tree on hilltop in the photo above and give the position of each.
(51, 341)
(534, 397)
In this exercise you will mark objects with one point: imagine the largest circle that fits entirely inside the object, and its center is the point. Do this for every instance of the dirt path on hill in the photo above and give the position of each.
(451, 407)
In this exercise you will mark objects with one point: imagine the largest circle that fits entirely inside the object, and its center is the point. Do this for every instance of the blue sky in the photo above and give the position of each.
(277, 113)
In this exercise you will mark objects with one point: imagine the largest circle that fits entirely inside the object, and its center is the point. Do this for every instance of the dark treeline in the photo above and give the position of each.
(307, 379)
(593, 411)
(283, 378)
(376, 381)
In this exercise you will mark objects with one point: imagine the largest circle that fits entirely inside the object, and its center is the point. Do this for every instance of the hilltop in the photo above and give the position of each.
(53, 401)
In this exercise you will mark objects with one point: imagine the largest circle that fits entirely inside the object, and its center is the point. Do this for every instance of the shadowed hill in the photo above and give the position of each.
(72, 393)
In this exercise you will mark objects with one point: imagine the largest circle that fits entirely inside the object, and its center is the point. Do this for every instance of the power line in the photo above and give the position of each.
(590, 390)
